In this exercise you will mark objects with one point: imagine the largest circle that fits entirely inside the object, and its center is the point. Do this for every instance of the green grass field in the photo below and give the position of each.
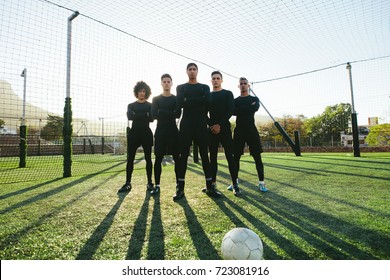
(320, 206)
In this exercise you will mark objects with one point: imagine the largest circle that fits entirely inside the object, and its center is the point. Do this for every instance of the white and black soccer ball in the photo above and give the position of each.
(242, 244)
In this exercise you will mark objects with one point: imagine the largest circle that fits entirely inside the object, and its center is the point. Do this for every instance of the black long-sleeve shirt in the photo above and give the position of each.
(245, 109)
(164, 110)
(195, 100)
(140, 114)
(221, 108)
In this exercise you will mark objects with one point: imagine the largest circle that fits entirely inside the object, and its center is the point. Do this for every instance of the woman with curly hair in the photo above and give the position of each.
(140, 134)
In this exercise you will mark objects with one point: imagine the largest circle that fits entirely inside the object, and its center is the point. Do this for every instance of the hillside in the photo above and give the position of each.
(262, 119)
(11, 109)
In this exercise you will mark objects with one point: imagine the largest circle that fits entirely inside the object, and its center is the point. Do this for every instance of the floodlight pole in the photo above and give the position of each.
(102, 119)
(67, 130)
(69, 52)
(24, 75)
(23, 128)
(355, 131)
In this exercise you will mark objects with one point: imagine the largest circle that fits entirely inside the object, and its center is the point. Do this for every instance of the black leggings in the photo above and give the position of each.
(130, 163)
(258, 162)
(158, 169)
(203, 151)
(224, 138)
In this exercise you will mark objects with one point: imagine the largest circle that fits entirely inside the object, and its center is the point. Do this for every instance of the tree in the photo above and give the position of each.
(2, 123)
(327, 126)
(379, 135)
(53, 129)
(291, 124)
(269, 133)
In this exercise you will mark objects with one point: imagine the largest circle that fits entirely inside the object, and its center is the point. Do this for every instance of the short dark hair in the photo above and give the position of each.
(192, 64)
(243, 78)
(166, 76)
(142, 85)
(216, 72)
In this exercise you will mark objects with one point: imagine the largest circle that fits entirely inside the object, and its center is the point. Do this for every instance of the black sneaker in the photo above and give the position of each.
(179, 193)
(125, 188)
(205, 189)
(150, 187)
(236, 190)
(155, 191)
(212, 191)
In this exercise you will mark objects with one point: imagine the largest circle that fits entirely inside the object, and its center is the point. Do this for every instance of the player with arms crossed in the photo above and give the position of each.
(166, 135)
(245, 107)
(194, 99)
(140, 113)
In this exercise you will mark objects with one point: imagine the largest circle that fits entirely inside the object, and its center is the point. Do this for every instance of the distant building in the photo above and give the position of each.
(347, 138)
(372, 121)
(6, 130)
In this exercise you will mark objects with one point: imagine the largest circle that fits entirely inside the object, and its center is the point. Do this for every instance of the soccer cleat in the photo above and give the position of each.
(212, 191)
(236, 190)
(230, 188)
(125, 188)
(150, 187)
(156, 190)
(262, 187)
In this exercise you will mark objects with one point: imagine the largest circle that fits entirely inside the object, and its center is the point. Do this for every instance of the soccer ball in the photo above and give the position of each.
(242, 244)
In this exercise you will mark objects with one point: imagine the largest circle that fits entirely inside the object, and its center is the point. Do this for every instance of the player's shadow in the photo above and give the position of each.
(273, 235)
(325, 197)
(321, 230)
(24, 190)
(156, 248)
(9, 240)
(93, 243)
(283, 243)
(222, 204)
(138, 234)
(313, 226)
(51, 192)
(204, 248)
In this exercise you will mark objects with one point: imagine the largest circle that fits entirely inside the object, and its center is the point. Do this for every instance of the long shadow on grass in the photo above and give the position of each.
(362, 159)
(29, 188)
(51, 192)
(202, 243)
(313, 221)
(282, 242)
(156, 247)
(327, 197)
(13, 238)
(137, 238)
(336, 162)
(90, 247)
(273, 235)
(318, 172)
(306, 223)
(269, 253)
(333, 198)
